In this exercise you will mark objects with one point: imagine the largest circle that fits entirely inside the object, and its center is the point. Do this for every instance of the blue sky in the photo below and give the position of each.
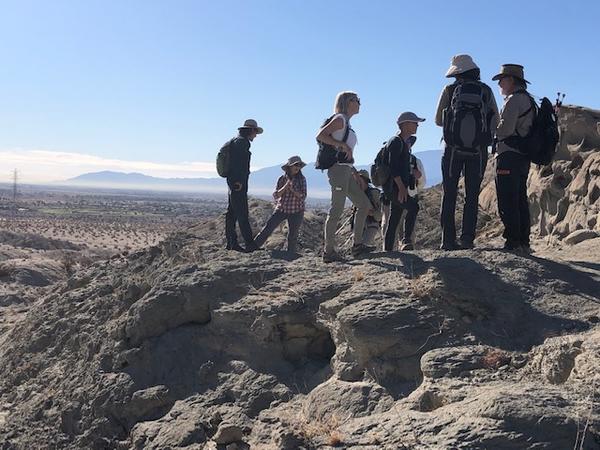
(157, 87)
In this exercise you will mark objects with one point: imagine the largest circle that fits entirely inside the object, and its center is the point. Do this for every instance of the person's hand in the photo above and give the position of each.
(417, 173)
(402, 194)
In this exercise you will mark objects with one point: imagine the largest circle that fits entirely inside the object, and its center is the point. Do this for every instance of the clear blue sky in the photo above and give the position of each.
(170, 81)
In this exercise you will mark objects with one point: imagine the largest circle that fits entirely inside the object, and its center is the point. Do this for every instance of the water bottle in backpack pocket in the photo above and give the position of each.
(465, 120)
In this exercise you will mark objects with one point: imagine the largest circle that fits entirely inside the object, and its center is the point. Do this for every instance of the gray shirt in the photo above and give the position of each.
(513, 120)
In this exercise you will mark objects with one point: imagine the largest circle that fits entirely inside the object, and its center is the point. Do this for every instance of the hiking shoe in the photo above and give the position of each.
(332, 257)
(407, 247)
(252, 248)
(526, 248)
(361, 249)
(448, 246)
(237, 248)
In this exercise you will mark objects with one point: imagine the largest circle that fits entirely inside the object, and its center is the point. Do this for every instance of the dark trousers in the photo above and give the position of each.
(294, 221)
(237, 211)
(473, 168)
(412, 208)
(512, 170)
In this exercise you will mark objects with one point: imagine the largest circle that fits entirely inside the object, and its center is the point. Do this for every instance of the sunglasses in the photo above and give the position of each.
(357, 100)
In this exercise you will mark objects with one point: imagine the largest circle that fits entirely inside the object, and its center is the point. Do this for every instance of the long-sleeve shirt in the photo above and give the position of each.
(399, 162)
(290, 203)
(488, 96)
(239, 162)
(516, 119)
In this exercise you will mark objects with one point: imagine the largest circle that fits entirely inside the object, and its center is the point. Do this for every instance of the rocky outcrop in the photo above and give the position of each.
(564, 196)
(186, 345)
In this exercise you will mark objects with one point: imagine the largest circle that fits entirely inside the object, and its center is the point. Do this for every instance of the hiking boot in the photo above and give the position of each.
(332, 257)
(237, 248)
(361, 249)
(510, 246)
(407, 247)
(465, 244)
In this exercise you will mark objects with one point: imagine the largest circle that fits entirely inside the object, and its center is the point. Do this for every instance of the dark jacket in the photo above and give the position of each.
(239, 162)
(399, 163)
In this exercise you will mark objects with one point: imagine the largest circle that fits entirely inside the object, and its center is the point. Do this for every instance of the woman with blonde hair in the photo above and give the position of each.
(337, 140)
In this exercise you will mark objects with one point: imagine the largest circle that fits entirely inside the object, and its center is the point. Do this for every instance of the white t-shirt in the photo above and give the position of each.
(339, 134)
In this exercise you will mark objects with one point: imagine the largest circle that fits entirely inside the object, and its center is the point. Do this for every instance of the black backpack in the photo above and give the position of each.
(380, 169)
(541, 141)
(465, 120)
(328, 155)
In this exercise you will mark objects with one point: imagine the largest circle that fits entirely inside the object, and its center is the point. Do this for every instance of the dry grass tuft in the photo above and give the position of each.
(494, 359)
(358, 275)
(323, 430)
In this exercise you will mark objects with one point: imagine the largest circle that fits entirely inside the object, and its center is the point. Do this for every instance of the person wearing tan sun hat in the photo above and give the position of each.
(238, 172)
(468, 113)
(512, 166)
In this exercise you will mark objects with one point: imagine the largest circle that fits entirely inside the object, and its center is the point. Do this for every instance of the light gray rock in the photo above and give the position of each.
(579, 236)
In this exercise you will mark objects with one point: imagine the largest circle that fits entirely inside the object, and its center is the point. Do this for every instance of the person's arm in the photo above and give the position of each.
(281, 187)
(443, 103)
(238, 167)
(301, 193)
(396, 163)
(493, 110)
(508, 119)
(325, 133)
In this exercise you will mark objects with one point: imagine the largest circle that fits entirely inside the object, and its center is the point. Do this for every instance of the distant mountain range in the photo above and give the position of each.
(262, 181)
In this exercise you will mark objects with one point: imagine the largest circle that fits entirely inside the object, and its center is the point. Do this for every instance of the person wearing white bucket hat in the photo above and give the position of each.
(468, 113)
(289, 195)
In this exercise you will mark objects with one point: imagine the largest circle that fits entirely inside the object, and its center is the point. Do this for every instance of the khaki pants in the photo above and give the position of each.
(343, 185)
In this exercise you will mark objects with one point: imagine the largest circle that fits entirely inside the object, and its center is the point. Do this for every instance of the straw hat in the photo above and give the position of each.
(460, 64)
(294, 161)
(252, 124)
(511, 70)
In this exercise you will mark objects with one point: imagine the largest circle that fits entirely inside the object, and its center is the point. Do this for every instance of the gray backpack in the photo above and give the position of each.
(465, 120)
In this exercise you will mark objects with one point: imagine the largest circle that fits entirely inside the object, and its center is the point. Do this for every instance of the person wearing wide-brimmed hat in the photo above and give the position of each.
(290, 197)
(512, 166)
(237, 181)
(468, 159)
(402, 176)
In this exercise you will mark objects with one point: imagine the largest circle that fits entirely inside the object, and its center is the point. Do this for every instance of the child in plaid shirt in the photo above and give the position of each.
(290, 194)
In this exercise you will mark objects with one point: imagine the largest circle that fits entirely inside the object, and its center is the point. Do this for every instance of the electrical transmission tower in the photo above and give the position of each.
(15, 192)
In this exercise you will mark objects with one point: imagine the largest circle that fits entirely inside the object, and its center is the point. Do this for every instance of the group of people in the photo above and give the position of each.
(471, 123)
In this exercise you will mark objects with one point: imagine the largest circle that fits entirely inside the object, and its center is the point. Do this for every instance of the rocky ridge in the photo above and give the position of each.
(186, 345)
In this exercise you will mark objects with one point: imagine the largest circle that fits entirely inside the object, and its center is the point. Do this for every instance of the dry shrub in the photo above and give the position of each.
(7, 269)
(494, 359)
(67, 262)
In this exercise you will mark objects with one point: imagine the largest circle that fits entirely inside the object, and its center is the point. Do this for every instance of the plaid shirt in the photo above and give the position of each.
(288, 202)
